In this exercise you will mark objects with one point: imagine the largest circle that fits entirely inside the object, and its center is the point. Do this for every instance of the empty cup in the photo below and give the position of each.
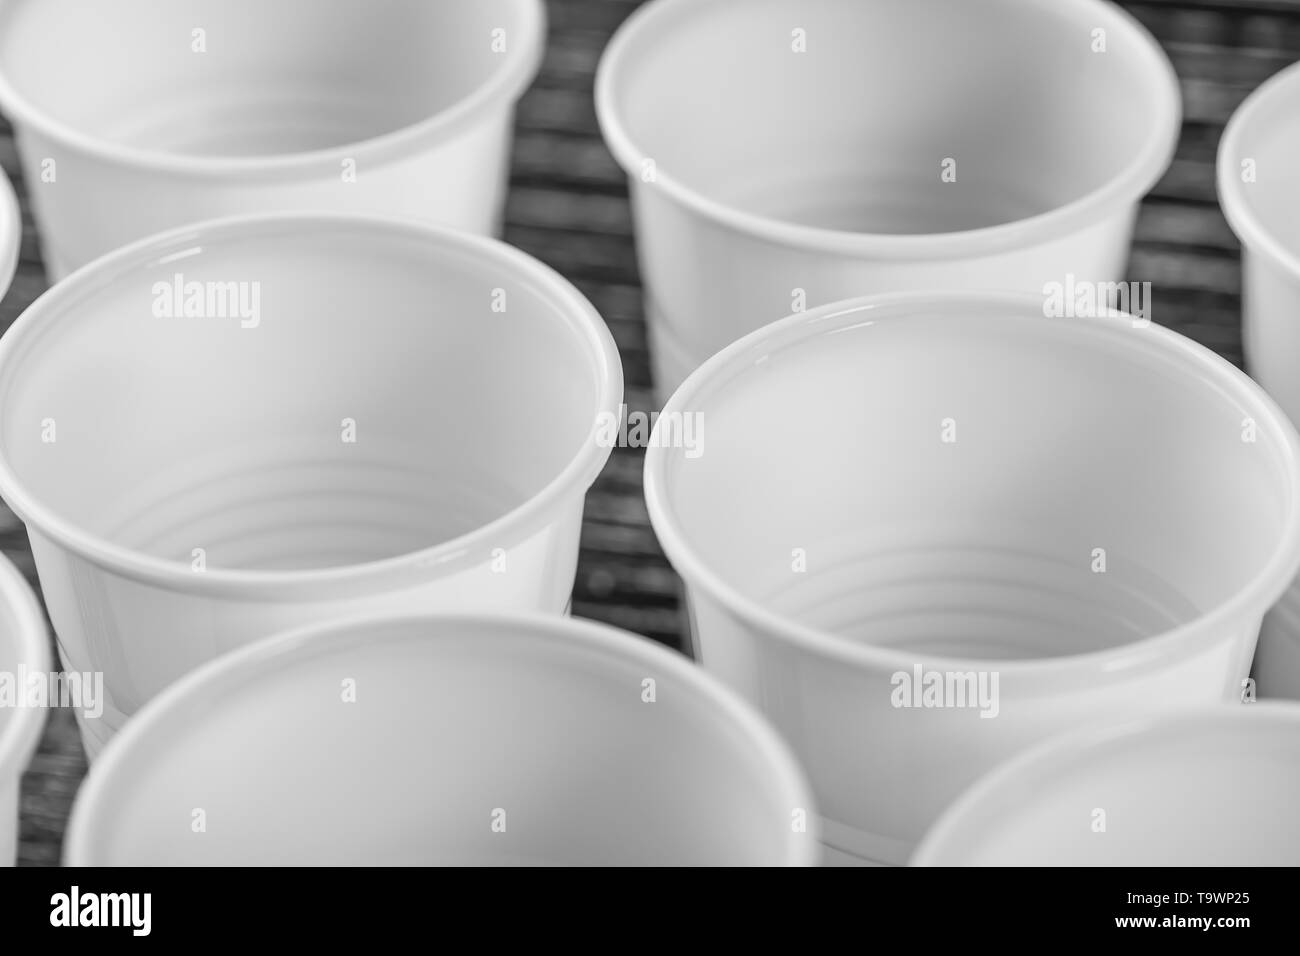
(1259, 189)
(249, 425)
(142, 115)
(927, 531)
(1217, 787)
(24, 682)
(785, 153)
(452, 740)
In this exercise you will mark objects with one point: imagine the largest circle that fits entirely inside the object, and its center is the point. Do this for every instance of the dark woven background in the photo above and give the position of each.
(568, 206)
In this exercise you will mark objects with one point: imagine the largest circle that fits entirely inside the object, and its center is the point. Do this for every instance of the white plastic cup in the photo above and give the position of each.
(784, 154)
(11, 234)
(1216, 787)
(141, 115)
(24, 661)
(409, 422)
(455, 740)
(1053, 519)
(1259, 189)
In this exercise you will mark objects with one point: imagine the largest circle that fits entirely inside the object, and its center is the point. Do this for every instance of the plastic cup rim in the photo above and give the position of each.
(506, 84)
(1249, 603)
(58, 304)
(1121, 190)
(1024, 773)
(161, 721)
(1248, 226)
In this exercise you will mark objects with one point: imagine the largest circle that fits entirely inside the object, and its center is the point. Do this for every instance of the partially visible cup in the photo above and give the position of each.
(1259, 189)
(454, 740)
(24, 694)
(927, 531)
(1213, 787)
(784, 154)
(141, 115)
(248, 425)
(11, 234)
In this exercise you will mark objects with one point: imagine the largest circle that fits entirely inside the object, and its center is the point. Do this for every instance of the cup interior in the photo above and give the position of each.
(291, 394)
(967, 479)
(852, 132)
(469, 742)
(1170, 794)
(288, 77)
